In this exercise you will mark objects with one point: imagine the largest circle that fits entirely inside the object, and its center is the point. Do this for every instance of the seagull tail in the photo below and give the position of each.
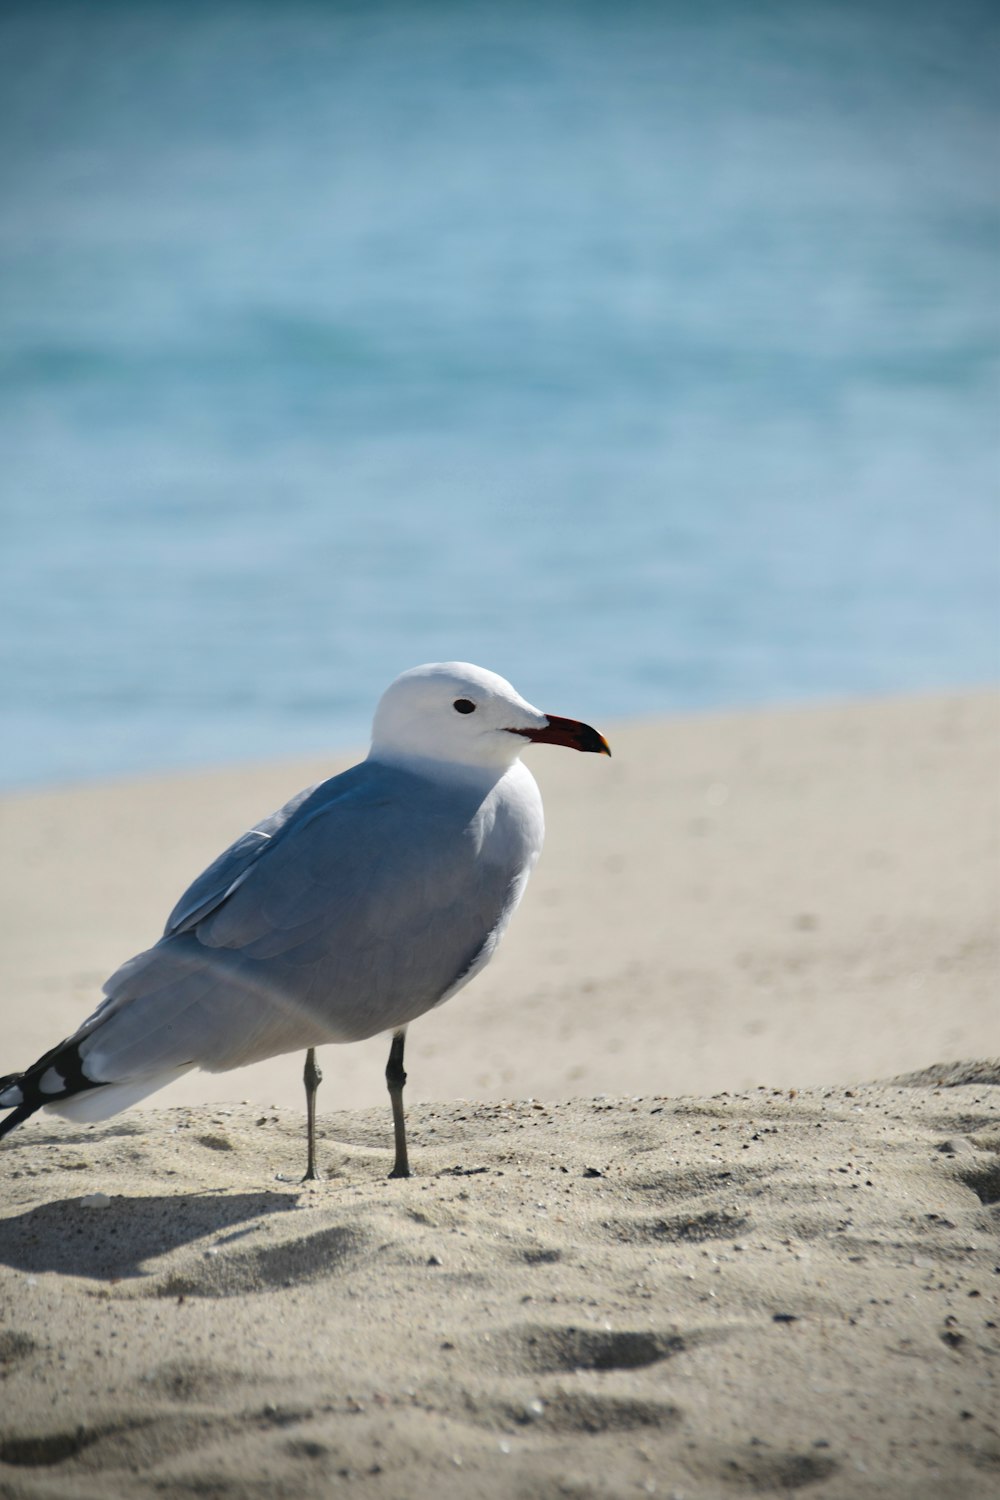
(57, 1075)
(57, 1082)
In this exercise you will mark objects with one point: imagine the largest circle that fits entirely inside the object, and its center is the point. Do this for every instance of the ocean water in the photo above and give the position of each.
(645, 353)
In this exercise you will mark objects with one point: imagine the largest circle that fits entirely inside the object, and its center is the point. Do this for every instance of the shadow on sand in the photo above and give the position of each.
(114, 1243)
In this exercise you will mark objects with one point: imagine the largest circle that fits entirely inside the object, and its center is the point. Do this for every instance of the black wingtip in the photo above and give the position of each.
(17, 1117)
(68, 1065)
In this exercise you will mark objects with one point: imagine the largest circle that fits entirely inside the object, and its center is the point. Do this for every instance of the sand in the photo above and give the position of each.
(675, 1247)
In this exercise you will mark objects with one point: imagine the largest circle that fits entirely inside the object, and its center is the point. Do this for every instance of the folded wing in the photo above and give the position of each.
(352, 911)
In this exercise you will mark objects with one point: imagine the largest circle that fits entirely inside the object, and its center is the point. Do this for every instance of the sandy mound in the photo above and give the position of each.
(756, 1294)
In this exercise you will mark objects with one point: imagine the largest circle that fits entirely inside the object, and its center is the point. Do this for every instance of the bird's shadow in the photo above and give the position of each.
(114, 1243)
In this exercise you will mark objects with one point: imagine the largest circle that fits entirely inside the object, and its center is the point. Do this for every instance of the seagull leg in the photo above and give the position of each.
(395, 1078)
(312, 1078)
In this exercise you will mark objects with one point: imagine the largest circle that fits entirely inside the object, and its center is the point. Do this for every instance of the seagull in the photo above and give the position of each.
(367, 900)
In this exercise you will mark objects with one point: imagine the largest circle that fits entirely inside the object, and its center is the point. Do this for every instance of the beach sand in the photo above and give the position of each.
(677, 1246)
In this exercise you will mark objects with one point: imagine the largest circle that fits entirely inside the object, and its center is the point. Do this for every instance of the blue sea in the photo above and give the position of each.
(644, 353)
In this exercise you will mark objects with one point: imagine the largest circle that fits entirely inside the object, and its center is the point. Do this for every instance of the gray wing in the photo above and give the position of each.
(358, 913)
(233, 865)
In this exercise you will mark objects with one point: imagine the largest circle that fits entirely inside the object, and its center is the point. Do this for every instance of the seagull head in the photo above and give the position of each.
(463, 715)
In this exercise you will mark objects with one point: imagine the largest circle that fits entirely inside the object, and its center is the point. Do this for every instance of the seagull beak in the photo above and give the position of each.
(568, 732)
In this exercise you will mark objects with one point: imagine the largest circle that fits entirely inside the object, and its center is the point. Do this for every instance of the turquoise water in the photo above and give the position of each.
(647, 354)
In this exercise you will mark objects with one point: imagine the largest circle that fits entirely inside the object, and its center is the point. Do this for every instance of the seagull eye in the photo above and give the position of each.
(464, 706)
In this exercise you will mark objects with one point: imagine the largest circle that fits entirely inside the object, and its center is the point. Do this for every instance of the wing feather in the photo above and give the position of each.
(215, 884)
